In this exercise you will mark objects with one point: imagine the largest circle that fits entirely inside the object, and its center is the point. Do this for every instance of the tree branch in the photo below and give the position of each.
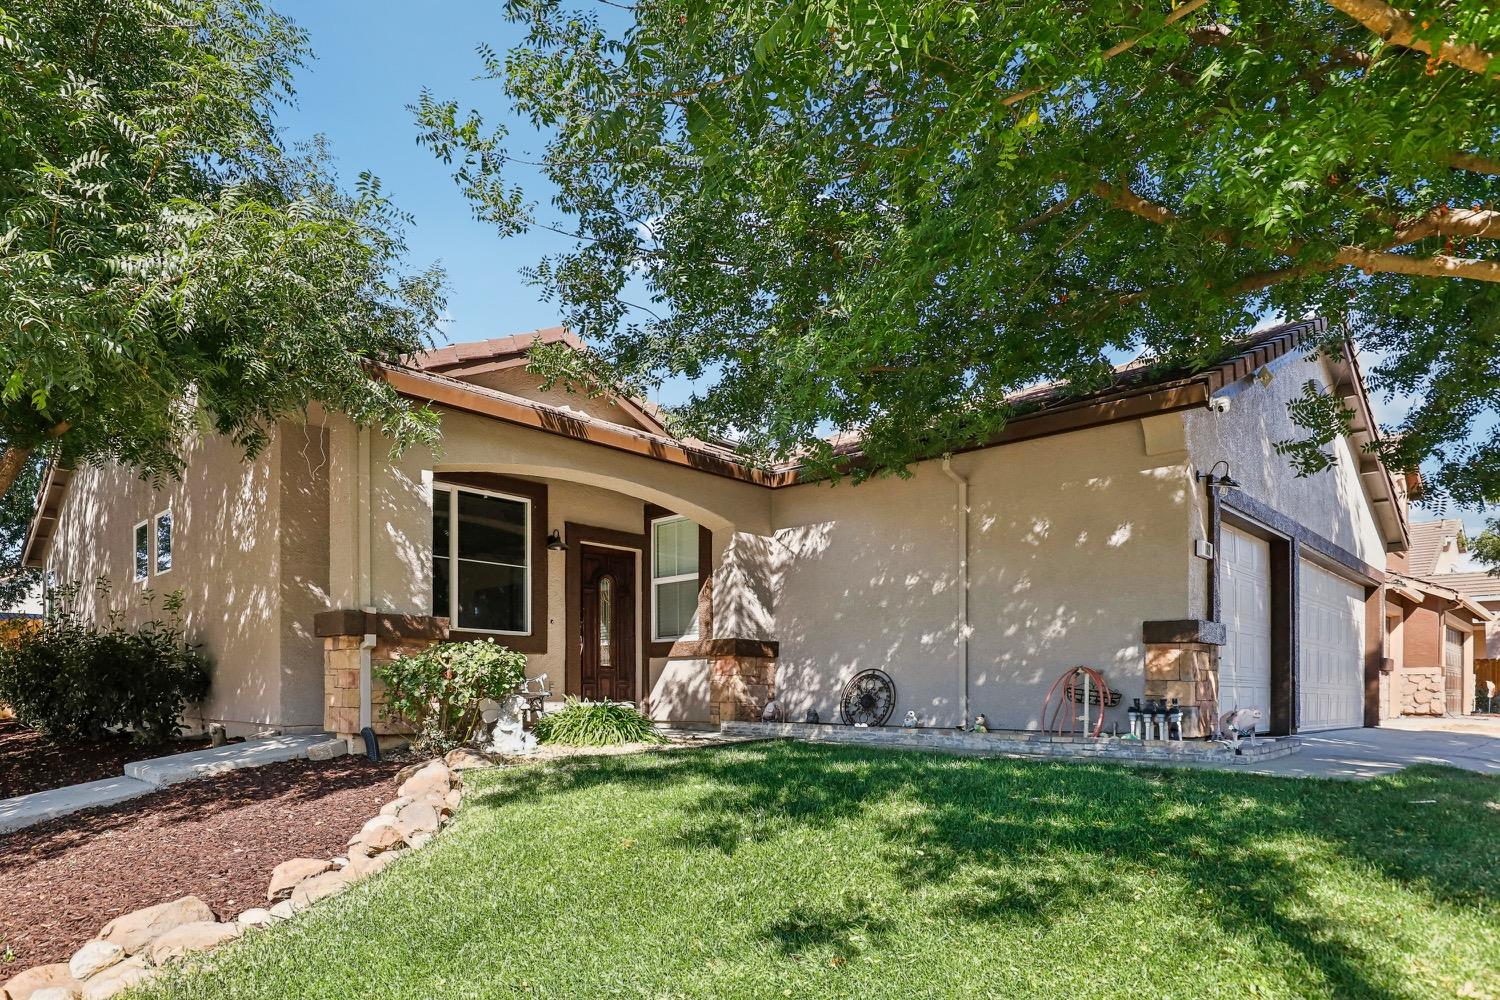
(1474, 164)
(1114, 50)
(1398, 28)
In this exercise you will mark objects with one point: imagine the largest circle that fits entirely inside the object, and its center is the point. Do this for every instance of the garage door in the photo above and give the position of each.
(1330, 662)
(1245, 666)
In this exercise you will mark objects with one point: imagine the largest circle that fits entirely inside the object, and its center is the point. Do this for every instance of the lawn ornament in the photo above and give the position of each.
(1237, 724)
(910, 722)
(812, 717)
(869, 698)
(509, 735)
(981, 724)
(771, 713)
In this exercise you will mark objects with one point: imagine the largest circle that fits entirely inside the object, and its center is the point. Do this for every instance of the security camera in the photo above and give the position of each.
(1219, 404)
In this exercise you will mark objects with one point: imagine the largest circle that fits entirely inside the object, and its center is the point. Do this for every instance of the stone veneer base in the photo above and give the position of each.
(1020, 745)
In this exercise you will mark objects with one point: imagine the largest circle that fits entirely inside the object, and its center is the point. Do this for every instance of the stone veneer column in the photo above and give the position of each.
(740, 687)
(1189, 673)
(1423, 691)
(395, 635)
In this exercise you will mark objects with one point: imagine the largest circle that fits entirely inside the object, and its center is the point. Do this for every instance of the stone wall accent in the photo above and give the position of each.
(1189, 673)
(1422, 691)
(343, 632)
(739, 687)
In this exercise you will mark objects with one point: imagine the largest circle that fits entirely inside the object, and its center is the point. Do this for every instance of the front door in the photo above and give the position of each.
(1453, 670)
(607, 624)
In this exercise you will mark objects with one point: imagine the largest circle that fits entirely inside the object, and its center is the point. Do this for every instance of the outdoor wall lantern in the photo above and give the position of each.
(1223, 483)
(555, 542)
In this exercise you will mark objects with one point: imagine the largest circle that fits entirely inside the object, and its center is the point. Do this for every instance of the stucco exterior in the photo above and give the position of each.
(248, 554)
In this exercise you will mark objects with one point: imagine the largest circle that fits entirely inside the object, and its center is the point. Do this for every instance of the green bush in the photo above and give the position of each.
(438, 690)
(75, 681)
(595, 724)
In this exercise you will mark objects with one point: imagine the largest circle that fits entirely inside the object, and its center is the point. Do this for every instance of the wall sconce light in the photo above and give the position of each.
(555, 542)
(1223, 483)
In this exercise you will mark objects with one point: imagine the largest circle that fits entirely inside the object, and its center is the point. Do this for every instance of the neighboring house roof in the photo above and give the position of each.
(1415, 589)
(1429, 541)
(1483, 587)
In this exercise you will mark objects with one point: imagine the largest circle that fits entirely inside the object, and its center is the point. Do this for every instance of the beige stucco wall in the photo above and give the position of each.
(1075, 540)
(230, 546)
(1332, 503)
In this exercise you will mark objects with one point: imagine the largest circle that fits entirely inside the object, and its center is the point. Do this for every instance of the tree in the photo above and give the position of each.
(166, 264)
(883, 216)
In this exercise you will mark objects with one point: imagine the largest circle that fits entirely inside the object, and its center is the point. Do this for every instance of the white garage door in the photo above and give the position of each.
(1245, 666)
(1330, 661)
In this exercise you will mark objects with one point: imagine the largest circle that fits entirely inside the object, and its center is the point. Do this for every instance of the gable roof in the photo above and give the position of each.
(465, 360)
(1427, 541)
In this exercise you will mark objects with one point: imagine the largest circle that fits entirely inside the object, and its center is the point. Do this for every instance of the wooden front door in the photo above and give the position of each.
(607, 624)
(1453, 670)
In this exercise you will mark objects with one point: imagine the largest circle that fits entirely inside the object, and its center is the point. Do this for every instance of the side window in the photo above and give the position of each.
(674, 579)
(163, 541)
(142, 551)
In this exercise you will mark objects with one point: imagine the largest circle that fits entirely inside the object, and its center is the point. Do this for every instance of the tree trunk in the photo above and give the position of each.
(11, 464)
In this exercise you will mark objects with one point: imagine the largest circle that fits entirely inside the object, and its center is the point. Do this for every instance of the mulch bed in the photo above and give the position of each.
(216, 838)
(30, 762)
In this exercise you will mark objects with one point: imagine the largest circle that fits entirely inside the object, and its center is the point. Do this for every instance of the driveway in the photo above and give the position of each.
(1471, 743)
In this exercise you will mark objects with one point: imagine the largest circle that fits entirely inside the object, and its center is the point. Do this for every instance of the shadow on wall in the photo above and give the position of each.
(1064, 569)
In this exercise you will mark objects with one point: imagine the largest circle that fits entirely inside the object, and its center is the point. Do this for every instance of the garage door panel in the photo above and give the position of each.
(1330, 648)
(1245, 661)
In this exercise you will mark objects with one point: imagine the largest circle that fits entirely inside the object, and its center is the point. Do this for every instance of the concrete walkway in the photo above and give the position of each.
(1357, 754)
(144, 776)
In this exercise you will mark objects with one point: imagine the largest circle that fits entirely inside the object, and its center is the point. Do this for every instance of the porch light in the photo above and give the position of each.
(1223, 483)
(555, 542)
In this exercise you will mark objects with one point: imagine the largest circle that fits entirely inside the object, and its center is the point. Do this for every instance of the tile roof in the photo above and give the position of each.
(1472, 585)
(1427, 544)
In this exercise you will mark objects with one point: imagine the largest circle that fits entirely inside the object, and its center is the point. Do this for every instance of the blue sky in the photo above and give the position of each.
(373, 59)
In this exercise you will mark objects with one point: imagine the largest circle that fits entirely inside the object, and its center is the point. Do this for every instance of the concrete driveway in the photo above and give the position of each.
(1471, 743)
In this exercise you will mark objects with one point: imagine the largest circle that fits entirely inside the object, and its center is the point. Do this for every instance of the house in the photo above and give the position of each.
(1150, 530)
(1443, 624)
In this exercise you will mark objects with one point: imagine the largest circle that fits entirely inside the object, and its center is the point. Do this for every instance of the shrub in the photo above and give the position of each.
(439, 689)
(595, 724)
(75, 681)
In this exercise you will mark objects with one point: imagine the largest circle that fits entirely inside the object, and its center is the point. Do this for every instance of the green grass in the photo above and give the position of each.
(786, 870)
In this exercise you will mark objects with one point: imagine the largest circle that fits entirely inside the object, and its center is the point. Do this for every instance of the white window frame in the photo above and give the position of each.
(135, 550)
(656, 635)
(453, 491)
(154, 542)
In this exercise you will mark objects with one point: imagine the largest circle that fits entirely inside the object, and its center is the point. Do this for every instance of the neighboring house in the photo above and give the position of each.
(1437, 547)
(1150, 530)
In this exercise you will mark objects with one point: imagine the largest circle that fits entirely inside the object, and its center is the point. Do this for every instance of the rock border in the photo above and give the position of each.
(133, 948)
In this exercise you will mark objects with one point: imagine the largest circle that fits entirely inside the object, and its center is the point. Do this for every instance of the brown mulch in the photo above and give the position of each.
(216, 838)
(31, 762)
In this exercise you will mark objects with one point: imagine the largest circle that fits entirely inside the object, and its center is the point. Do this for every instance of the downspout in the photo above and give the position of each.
(961, 516)
(363, 579)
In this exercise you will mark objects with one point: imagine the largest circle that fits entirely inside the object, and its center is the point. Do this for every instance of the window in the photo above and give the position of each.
(674, 579)
(142, 551)
(481, 560)
(163, 542)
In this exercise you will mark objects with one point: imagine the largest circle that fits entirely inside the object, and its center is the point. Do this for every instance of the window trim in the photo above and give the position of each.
(138, 549)
(154, 542)
(453, 560)
(695, 576)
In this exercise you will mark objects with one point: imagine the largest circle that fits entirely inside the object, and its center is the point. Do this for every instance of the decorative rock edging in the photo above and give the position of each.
(1017, 745)
(135, 947)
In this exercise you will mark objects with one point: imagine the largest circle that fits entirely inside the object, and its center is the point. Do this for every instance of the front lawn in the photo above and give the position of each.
(773, 870)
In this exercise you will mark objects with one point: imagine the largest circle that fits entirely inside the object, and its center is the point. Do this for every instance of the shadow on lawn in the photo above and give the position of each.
(1236, 836)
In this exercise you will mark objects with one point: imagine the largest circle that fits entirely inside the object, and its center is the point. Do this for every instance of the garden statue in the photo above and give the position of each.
(1238, 723)
(910, 722)
(510, 735)
(981, 724)
(812, 717)
(771, 713)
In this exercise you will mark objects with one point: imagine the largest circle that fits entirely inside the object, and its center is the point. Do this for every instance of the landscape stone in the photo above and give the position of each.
(411, 769)
(418, 817)
(134, 932)
(56, 993)
(433, 778)
(322, 886)
(392, 807)
(256, 916)
(284, 910)
(380, 833)
(285, 876)
(452, 800)
(191, 938)
(364, 866)
(117, 979)
(26, 984)
(94, 957)
(465, 760)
